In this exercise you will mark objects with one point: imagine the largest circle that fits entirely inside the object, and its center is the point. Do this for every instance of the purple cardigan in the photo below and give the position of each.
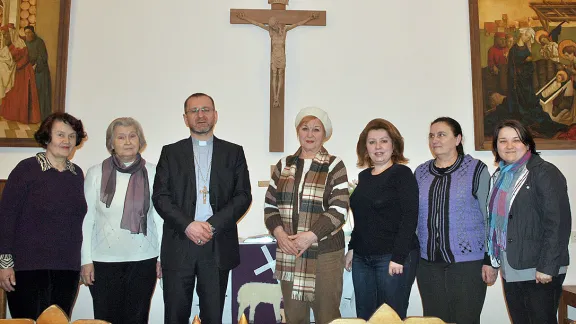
(451, 226)
(41, 213)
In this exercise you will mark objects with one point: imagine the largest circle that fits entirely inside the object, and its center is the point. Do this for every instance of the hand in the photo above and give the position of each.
(285, 244)
(7, 279)
(528, 59)
(199, 232)
(349, 257)
(241, 15)
(543, 278)
(303, 241)
(489, 274)
(158, 270)
(395, 268)
(315, 15)
(495, 69)
(87, 274)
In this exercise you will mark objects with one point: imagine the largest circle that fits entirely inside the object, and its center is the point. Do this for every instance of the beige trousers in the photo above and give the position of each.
(328, 292)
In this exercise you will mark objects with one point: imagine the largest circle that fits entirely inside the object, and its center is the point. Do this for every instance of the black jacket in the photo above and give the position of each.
(539, 221)
(174, 198)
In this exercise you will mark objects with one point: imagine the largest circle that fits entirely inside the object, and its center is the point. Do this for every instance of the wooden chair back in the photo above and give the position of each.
(17, 321)
(53, 315)
(386, 315)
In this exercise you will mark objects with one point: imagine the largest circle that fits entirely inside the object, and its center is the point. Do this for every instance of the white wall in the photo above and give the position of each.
(404, 61)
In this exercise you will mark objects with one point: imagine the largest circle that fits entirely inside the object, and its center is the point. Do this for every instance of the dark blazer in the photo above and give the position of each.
(174, 197)
(539, 220)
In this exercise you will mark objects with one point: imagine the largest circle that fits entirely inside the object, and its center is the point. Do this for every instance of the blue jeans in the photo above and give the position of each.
(373, 286)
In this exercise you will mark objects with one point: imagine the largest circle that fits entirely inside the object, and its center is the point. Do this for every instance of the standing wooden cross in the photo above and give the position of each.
(277, 21)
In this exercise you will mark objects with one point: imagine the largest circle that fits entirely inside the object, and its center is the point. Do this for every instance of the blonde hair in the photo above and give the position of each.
(529, 31)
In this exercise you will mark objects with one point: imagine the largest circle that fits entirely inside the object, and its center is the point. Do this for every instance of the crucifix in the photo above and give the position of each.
(204, 192)
(277, 21)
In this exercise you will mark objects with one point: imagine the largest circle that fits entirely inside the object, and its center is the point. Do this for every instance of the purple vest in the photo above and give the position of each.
(451, 226)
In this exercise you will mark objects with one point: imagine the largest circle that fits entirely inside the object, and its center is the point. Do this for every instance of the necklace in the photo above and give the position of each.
(204, 191)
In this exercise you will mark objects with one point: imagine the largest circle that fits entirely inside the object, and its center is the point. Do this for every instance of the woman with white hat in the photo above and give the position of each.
(305, 207)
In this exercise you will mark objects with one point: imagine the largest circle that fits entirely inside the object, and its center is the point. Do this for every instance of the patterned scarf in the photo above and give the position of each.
(499, 204)
(137, 200)
(301, 271)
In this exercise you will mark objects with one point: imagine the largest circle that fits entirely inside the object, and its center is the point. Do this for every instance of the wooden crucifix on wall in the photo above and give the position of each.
(277, 21)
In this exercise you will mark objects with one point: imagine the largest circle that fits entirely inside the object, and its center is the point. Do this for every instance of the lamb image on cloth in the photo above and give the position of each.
(253, 293)
(254, 285)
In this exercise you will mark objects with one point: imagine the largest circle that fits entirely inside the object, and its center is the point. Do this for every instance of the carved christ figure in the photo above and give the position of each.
(277, 33)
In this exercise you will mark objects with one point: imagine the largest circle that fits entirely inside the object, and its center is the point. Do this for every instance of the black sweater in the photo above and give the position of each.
(385, 209)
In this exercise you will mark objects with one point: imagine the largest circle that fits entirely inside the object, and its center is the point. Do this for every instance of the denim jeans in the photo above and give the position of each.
(373, 286)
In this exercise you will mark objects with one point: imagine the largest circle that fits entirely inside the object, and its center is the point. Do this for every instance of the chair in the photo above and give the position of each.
(568, 298)
(89, 321)
(17, 321)
(386, 315)
(2, 300)
(53, 315)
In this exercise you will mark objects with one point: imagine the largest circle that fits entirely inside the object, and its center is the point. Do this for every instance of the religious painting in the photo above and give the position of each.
(33, 58)
(524, 68)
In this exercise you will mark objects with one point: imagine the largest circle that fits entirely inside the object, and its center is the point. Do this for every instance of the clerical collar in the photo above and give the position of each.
(197, 142)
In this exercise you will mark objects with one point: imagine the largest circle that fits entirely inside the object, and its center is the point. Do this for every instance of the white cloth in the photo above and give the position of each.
(104, 240)
(7, 71)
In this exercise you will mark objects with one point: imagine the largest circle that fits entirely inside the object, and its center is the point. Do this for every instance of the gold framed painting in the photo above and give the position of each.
(33, 64)
(523, 56)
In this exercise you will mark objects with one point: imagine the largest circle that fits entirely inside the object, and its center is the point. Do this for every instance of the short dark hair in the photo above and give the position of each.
(30, 28)
(395, 136)
(456, 130)
(525, 137)
(198, 95)
(44, 134)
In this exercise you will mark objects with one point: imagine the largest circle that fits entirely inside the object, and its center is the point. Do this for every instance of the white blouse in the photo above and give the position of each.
(104, 240)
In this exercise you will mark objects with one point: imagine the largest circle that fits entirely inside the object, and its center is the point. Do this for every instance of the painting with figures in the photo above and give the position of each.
(524, 68)
(33, 56)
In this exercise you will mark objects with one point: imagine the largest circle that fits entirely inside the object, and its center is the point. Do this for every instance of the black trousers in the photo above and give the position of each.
(178, 286)
(531, 302)
(122, 291)
(35, 290)
(454, 292)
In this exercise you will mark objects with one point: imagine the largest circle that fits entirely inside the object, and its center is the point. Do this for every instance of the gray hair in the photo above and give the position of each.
(126, 122)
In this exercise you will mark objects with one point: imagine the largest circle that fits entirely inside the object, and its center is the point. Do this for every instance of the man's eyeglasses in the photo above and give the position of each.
(195, 110)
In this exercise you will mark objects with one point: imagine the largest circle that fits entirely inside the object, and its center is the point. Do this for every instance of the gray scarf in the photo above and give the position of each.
(137, 200)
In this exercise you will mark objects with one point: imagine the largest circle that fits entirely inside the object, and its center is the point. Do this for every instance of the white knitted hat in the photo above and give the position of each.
(318, 113)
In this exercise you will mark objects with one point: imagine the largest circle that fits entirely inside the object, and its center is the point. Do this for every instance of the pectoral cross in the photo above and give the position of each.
(204, 192)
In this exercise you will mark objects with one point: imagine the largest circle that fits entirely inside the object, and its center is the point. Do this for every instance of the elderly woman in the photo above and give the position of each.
(122, 230)
(41, 213)
(305, 208)
(451, 227)
(383, 250)
(529, 226)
